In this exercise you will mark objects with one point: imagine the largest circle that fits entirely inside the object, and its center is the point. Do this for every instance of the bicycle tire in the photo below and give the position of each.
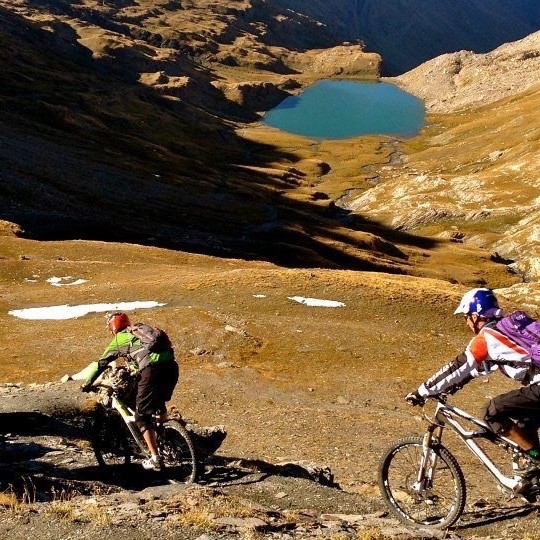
(438, 508)
(109, 440)
(178, 452)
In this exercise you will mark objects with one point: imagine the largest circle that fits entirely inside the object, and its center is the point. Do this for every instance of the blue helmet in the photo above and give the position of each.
(481, 301)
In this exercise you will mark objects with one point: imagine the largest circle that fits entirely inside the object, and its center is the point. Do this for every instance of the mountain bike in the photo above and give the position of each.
(117, 440)
(423, 484)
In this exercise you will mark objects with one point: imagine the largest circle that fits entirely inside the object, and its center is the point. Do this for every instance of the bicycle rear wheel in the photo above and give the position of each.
(178, 452)
(439, 503)
(110, 440)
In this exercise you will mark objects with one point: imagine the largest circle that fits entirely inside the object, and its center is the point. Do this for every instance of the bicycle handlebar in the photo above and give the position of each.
(95, 387)
(111, 388)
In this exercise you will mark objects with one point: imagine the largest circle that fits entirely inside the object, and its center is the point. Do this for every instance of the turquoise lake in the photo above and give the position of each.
(345, 109)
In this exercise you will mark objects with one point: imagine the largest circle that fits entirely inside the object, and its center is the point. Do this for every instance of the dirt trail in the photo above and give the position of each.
(290, 383)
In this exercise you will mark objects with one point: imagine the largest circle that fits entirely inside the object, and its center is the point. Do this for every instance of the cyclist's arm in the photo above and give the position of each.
(456, 373)
(460, 371)
(119, 346)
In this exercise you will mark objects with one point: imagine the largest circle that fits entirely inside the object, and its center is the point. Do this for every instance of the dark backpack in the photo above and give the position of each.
(153, 339)
(521, 328)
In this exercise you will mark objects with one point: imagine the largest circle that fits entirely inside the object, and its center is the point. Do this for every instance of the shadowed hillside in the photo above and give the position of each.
(126, 122)
(406, 33)
(89, 154)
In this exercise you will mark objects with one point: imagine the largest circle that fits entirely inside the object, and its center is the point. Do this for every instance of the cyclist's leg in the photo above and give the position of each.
(156, 385)
(164, 380)
(146, 407)
(530, 427)
(504, 410)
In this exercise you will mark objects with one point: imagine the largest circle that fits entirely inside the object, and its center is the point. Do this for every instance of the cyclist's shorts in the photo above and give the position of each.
(522, 403)
(156, 386)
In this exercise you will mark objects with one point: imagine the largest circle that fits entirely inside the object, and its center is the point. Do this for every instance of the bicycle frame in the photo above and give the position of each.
(128, 416)
(448, 415)
(172, 437)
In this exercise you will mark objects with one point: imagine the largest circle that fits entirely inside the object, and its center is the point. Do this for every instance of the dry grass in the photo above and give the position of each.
(372, 533)
(97, 515)
(9, 501)
(199, 507)
(62, 510)
(531, 536)
(65, 508)
(17, 502)
(197, 519)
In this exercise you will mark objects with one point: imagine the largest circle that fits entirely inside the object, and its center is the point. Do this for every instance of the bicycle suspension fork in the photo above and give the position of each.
(129, 418)
(428, 461)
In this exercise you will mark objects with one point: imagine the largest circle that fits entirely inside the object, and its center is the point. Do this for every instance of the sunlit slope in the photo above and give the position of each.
(474, 177)
(250, 355)
(241, 310)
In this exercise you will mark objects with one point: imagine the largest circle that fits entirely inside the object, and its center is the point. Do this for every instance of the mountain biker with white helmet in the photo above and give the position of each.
(490, 350)
(157, 378)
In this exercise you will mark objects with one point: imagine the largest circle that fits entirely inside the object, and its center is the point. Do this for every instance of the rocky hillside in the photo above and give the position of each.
(464, 79)
(126, 110)
(486, 169)
(406, 33)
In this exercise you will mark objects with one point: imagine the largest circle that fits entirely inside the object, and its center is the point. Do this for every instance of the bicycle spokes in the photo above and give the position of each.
(422, 485)
(177, 451)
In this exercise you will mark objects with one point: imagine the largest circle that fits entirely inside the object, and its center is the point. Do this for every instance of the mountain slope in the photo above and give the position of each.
(125, 122)
(464, 79)
(406, 33)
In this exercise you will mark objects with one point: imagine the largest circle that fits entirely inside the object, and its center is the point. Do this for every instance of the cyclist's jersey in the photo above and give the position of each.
(125, 344)
(488, 351)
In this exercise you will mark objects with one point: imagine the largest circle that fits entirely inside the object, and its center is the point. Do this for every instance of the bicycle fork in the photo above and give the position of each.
(428, 461)
(128, 416)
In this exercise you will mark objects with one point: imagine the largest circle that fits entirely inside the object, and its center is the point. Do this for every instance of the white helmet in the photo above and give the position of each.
(481, 301)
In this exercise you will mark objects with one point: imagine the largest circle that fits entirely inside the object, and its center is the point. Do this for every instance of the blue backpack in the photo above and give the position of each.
(521, 328)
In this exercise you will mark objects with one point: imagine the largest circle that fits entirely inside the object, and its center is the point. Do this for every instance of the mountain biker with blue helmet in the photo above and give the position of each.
(488, 351)
(157, 378)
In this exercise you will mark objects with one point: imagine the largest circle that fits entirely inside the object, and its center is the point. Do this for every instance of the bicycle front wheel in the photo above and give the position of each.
(436, 502)
(178, 452)
(110, 439)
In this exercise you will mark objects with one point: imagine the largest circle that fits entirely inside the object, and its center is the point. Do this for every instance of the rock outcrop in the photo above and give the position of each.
(407, 33)
(464, 79)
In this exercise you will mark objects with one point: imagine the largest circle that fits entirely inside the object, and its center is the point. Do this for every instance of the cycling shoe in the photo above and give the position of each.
(525, 466)
(153, 463)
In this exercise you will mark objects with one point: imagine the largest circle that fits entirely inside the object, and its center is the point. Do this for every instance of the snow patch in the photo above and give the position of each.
(316, 302)
(73, 312)
(58, 281)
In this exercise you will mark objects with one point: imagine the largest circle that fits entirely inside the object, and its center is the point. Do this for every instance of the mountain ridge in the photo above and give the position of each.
(222, 183)
(407, 33)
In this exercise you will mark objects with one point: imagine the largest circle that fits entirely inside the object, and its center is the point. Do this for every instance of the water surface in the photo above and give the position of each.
(345, 109)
